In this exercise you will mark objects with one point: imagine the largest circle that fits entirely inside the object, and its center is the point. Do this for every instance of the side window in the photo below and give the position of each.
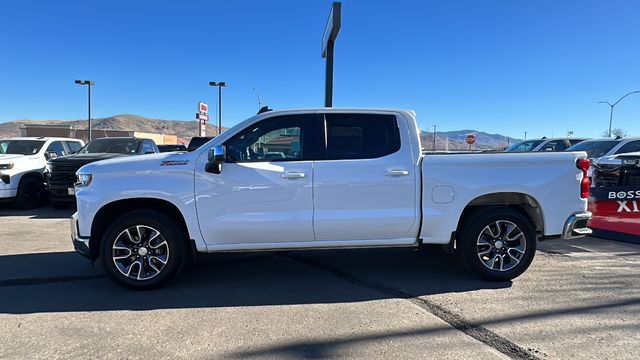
(73, 146)
(556, 145)
(282, 138)
(361, 136)
(57, 147)
(632, 146)
(573, 142)
(147, 147)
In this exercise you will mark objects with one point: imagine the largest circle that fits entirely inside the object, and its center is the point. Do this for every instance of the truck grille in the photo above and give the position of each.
(620, 177)
(63, 174)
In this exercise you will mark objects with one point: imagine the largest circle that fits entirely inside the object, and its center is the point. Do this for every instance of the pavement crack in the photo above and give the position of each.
(458, 322)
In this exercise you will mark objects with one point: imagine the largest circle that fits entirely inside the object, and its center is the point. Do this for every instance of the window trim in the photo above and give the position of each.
(321, 154)
(307, 131)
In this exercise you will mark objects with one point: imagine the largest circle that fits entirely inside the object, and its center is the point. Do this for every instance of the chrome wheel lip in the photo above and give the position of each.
(140, 252)
(501, 245)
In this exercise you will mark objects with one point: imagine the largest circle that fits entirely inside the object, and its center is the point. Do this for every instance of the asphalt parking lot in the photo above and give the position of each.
(580, 299)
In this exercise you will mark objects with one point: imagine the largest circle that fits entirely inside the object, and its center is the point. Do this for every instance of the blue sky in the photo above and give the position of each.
(499, 66)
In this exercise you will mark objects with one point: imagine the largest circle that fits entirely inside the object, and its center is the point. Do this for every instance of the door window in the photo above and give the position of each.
(57, 147)
(555, 145)
(73, 146)
(632, 146)
(275, 139)
(147, 147)
(360, 136)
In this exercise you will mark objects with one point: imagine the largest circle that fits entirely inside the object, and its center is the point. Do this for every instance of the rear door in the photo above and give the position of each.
(364, 180)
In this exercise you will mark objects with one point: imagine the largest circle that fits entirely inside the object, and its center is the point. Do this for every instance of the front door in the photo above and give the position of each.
(264, 192)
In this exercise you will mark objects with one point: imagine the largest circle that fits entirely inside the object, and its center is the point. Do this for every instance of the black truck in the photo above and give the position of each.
(60, 174)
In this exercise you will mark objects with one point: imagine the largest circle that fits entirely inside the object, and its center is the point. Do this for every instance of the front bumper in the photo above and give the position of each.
(80, 244)
(576, 225)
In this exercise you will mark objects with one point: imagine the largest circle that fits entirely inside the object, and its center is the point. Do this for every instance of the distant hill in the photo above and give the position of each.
(183, 129)
(187, 129)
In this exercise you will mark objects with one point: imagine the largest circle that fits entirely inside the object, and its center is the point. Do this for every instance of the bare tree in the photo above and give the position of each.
(617, 132)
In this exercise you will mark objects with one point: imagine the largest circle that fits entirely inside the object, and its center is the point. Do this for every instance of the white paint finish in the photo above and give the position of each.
(442, 194)
(255, 202)
(552, 179)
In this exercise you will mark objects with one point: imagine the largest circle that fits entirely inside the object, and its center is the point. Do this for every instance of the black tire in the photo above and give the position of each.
(479, 227)
(30, 193)
(174, 249)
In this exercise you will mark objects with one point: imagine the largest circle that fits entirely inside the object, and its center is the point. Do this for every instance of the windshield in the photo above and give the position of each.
(20, 147)
(114, 146)
(594, 149)
(528, 145)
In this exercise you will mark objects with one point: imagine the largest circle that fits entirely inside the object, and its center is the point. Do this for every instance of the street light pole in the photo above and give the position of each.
(434, 137)
(220, 85)
(611, 106)
(88, 83)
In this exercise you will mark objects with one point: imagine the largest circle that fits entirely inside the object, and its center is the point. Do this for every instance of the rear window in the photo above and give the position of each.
(594, 149)
(527, 145)
(20, 147)
(361, 136)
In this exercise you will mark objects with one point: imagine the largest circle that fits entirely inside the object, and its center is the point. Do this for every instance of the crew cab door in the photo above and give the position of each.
(263, 193)
(365, 180)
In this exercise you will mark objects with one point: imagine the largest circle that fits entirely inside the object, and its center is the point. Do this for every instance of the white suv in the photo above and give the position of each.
(22, 164)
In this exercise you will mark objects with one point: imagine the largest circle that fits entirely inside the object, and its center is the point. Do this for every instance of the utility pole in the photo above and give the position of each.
(525, 135)
(613, 105)
(331, 30)
(220, 85)
(434, 137)
(88, 83)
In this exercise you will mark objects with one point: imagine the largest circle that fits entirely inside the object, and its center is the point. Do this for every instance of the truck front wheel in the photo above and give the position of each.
(497, 244)
(142, 250)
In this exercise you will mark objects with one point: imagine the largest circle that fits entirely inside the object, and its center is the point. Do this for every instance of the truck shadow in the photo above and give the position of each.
(64, 282)
(42, 212)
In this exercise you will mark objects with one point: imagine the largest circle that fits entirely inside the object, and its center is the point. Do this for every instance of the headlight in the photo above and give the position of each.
(83, 180)
(6, 166)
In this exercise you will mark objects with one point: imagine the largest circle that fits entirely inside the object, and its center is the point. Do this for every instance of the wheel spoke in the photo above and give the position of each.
(131, 242)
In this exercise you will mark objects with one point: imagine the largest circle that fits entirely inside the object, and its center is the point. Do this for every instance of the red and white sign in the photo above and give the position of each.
(203, 108)
(202, 117)
(471, 139)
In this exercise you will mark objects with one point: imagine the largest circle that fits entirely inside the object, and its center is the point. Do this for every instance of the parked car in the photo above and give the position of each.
(346, 178)
(172, 147)
(60, 174)
(197, 141)
(22, 164)
(544, 144)
(597, 148)
(618, 172)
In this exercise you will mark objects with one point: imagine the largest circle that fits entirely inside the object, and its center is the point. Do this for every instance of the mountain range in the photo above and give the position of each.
(451, 140)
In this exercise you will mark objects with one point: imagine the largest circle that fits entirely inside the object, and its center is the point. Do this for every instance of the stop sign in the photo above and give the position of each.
(471, 139)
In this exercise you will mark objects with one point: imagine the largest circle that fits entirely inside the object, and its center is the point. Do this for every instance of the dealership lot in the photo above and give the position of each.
(579, 299)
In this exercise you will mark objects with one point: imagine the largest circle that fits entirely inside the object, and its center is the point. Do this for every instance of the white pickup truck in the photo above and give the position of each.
(342, 178)
(22, 164)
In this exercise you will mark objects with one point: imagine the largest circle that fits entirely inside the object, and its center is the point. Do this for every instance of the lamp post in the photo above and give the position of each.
(88, 83)
(220, 85)
(613, 105)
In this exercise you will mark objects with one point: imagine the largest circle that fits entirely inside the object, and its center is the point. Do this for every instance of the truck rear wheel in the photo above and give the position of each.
(497, 244)
(142, 250)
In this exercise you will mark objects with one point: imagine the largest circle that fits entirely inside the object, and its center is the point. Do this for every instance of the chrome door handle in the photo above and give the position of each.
(396, 173)
(293, 175)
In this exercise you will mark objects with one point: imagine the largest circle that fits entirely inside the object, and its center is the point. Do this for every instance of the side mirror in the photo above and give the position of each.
(216, 157)
(50, 155)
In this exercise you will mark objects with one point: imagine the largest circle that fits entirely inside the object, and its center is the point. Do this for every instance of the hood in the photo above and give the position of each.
(83, 158)
(139, 162)
(9, 157)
